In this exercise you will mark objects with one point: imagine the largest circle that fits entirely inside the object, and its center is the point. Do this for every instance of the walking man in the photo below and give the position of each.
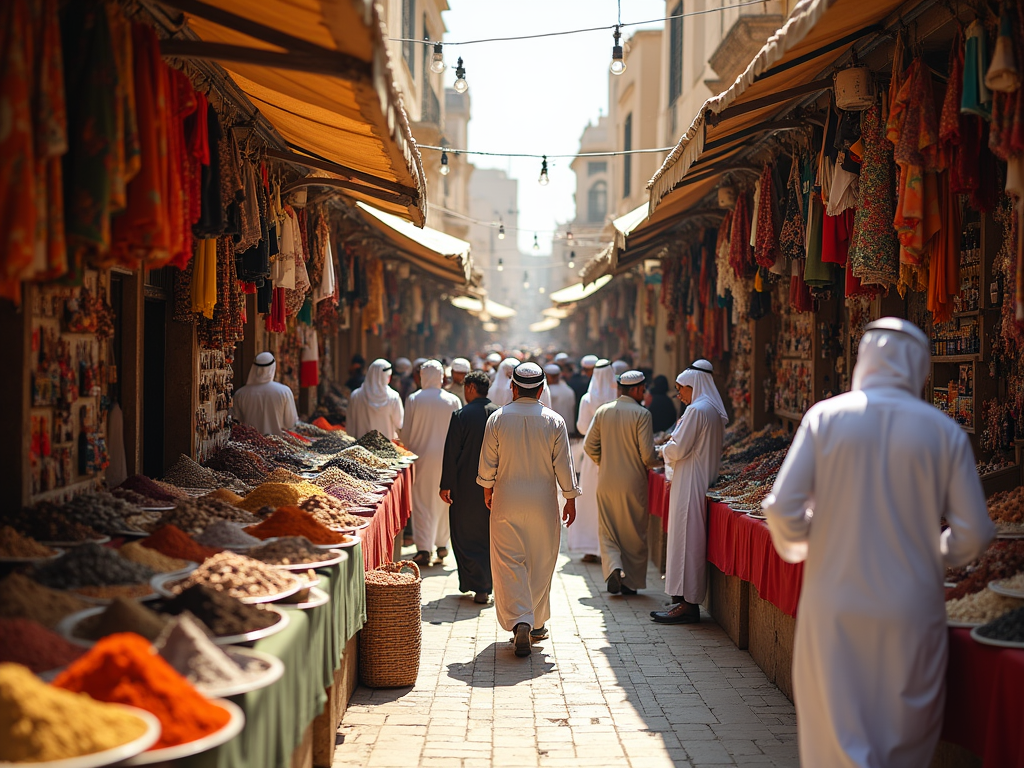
(468, 515)
(426, 422)
(692, 457)
(563, 399)
(460, 367)
(621, 443)
(524, 462)
(858, 500)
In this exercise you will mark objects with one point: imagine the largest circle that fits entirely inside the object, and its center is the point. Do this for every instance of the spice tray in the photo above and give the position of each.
(19, 560)
(999, 589)
(336, 556)
(229, 731)
(317, 597)
(757, 516)
(66, 544)
(157, 509)
(962, 624)
(353, 540)
(257, 634)
(165, 584)
(272, 669)
(66, 626)
(108, 756)
(980, 638)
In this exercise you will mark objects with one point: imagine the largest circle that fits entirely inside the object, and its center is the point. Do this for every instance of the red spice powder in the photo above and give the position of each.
(292, 521)
(124, 669)
(28, 642)
(170, 540)
(143, 485)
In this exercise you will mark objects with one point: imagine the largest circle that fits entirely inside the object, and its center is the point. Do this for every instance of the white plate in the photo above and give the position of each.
(157, 509)
(256, 634)
(272, 673)
(1009, 535)
(108, 756)
(317, 597)
(160, 584)
(100, 540)
(66, 626)
(999, 589)
(350, 528)
(962, 624)
(755, 515)
(231, 729)
(45, 558)
(990, 641)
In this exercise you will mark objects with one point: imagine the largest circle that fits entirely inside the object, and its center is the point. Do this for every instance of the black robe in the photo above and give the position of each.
(469, 517)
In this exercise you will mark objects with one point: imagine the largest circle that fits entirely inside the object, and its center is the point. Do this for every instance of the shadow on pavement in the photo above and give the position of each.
(481, 673)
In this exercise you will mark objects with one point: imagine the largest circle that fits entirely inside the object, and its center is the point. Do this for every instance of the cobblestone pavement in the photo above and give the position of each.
(608, 688)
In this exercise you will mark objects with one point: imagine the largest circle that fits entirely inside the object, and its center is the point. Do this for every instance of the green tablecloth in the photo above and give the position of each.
(310, 647)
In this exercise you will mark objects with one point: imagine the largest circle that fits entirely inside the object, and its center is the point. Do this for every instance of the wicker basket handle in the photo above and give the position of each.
(402, 565)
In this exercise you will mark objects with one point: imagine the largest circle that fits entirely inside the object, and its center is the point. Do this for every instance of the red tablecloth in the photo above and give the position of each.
(657, 497)
(392, 514)
(739, 545)
(985, 700)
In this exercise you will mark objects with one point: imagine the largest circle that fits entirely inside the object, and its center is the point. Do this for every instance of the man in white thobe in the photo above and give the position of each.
(583, 537)
(859, 500)
(264, 403)
(692, 457)
(563, 399)
(500, 392)
(524, 461)
(460, 367)
(375, 405)
(621, 443)
(427, 415)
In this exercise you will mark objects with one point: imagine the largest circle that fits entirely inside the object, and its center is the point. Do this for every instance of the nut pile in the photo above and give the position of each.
(291, 550)
(1007, 509)
(1008, 627)
(13, 544)
(196, 515)
(334, 476)
(363, 456)
(375, 442)
(46, 522)
(350, 496)
(238, 576)
(331, 513)
(1015, 582)
(1003, 559)
(91, 565)
(981, 607)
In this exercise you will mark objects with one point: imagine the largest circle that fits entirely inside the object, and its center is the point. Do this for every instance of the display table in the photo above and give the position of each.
(313, 647)
(388, 521)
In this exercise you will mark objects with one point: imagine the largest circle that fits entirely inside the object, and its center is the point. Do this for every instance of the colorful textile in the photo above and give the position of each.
(944, 269)
(765, 245)
(874, 256)
(204, 278)
(740, 255)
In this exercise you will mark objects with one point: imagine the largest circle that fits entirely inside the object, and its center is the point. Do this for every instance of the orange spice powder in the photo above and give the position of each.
(292, 521)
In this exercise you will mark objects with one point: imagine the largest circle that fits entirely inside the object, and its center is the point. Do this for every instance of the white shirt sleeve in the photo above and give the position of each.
(790, 506)
(487, 468)
(970, 528)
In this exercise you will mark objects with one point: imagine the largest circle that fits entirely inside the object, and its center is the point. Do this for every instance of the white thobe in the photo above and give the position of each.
(563, 401)
(525, 459)
(269, 407)
(583, 533)
(427, 416)
(621, 442)
(876, 469)
(692, 457)
(459, 390)
(363, 416)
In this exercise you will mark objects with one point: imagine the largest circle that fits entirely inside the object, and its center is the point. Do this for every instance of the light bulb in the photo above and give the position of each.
(568, 235)
(572, 264)
(618, 65)
(543, 180)
(501, 231)
(501, 265)
(536, 245)
(541, 289)
(526, 281)
(445, 168)
(437, 65)
(460, 77)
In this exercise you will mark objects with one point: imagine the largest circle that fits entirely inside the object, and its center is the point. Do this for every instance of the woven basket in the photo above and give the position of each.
(389, 643)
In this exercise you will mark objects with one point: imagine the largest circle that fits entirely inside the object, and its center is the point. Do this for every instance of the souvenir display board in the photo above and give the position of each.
(213, 416)
(70, 372)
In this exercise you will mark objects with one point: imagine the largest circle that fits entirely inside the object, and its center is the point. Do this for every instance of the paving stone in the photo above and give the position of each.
(607, 688)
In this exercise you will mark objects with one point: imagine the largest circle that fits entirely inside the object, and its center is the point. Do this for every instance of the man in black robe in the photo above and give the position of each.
(468, 515)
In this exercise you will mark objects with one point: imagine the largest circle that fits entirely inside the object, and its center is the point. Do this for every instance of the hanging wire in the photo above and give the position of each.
(614, 153)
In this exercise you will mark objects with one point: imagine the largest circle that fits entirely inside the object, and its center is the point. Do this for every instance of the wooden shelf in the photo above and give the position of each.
(968, 313)
(789, 415)
(84, 484)
(976, 357)
(806, 357)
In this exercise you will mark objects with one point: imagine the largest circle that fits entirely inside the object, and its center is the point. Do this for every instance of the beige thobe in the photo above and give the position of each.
(525, 459)
(621, 442)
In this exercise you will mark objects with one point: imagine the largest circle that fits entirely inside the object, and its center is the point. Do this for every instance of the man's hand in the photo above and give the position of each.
(569, 512)
(446, 497)
(488, 497)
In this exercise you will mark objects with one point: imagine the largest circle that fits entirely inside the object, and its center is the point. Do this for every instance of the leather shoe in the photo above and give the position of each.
(615, 582)
(522, 639)
(680, 614)
(540, 633)
(481, 598)
(627, 591)
(422, 558)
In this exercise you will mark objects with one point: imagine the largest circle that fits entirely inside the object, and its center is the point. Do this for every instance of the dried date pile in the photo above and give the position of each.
(331, 512)
(1003, 559)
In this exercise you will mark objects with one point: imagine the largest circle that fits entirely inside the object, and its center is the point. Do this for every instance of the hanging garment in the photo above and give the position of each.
(204, 278)
(525, 459)
(817, 273)
(874, 255)
(692, 457)
(976, 99)
(375, 405)
(621, 440)
(765, 246)
(583, 534)
(1003, 74)
(876, 468)
(944, 266)
(428, 413)
(468, 515)
(264, 403)
(741, 256)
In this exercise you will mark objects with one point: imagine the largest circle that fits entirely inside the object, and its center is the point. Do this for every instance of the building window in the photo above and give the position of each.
(627, 160)
(593, 168)
(597, 203)
(409, 33)
(675, 55)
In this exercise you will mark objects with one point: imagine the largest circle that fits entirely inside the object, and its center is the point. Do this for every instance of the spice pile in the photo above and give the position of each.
(185, 473)
(291, 550)
(375, 442)
(123, 669)
(1015, 583)
(138, 499)
(1003, 559)
(353, 469)
(280, 495)
(185, 646)
(222, 614)
(333, 477)
(225, 495)
(196, 515)
(292, 521)
(47, 523)
(27, 642)
(244, 464)
(1007, 510)
(43, 723)
(13, 544)
(363, 456)
(171, 541)
(239, 576)
(95, 571)
(157, 561)
(122, 616)
(153, 489)
(330, 512)
(980, 607)
(282, 475)
(332, 444)
(227, 536)
(22, 598)
(1009, 627)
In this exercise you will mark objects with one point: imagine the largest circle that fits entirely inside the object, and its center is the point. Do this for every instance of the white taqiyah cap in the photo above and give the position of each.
(589, 361)
(632, 378)
(493, 357)
(561, 357)
(460, 365)
(552, 369)
(528, 375)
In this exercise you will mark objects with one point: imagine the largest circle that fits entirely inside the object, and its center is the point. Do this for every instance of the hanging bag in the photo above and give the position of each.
(390, 641)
